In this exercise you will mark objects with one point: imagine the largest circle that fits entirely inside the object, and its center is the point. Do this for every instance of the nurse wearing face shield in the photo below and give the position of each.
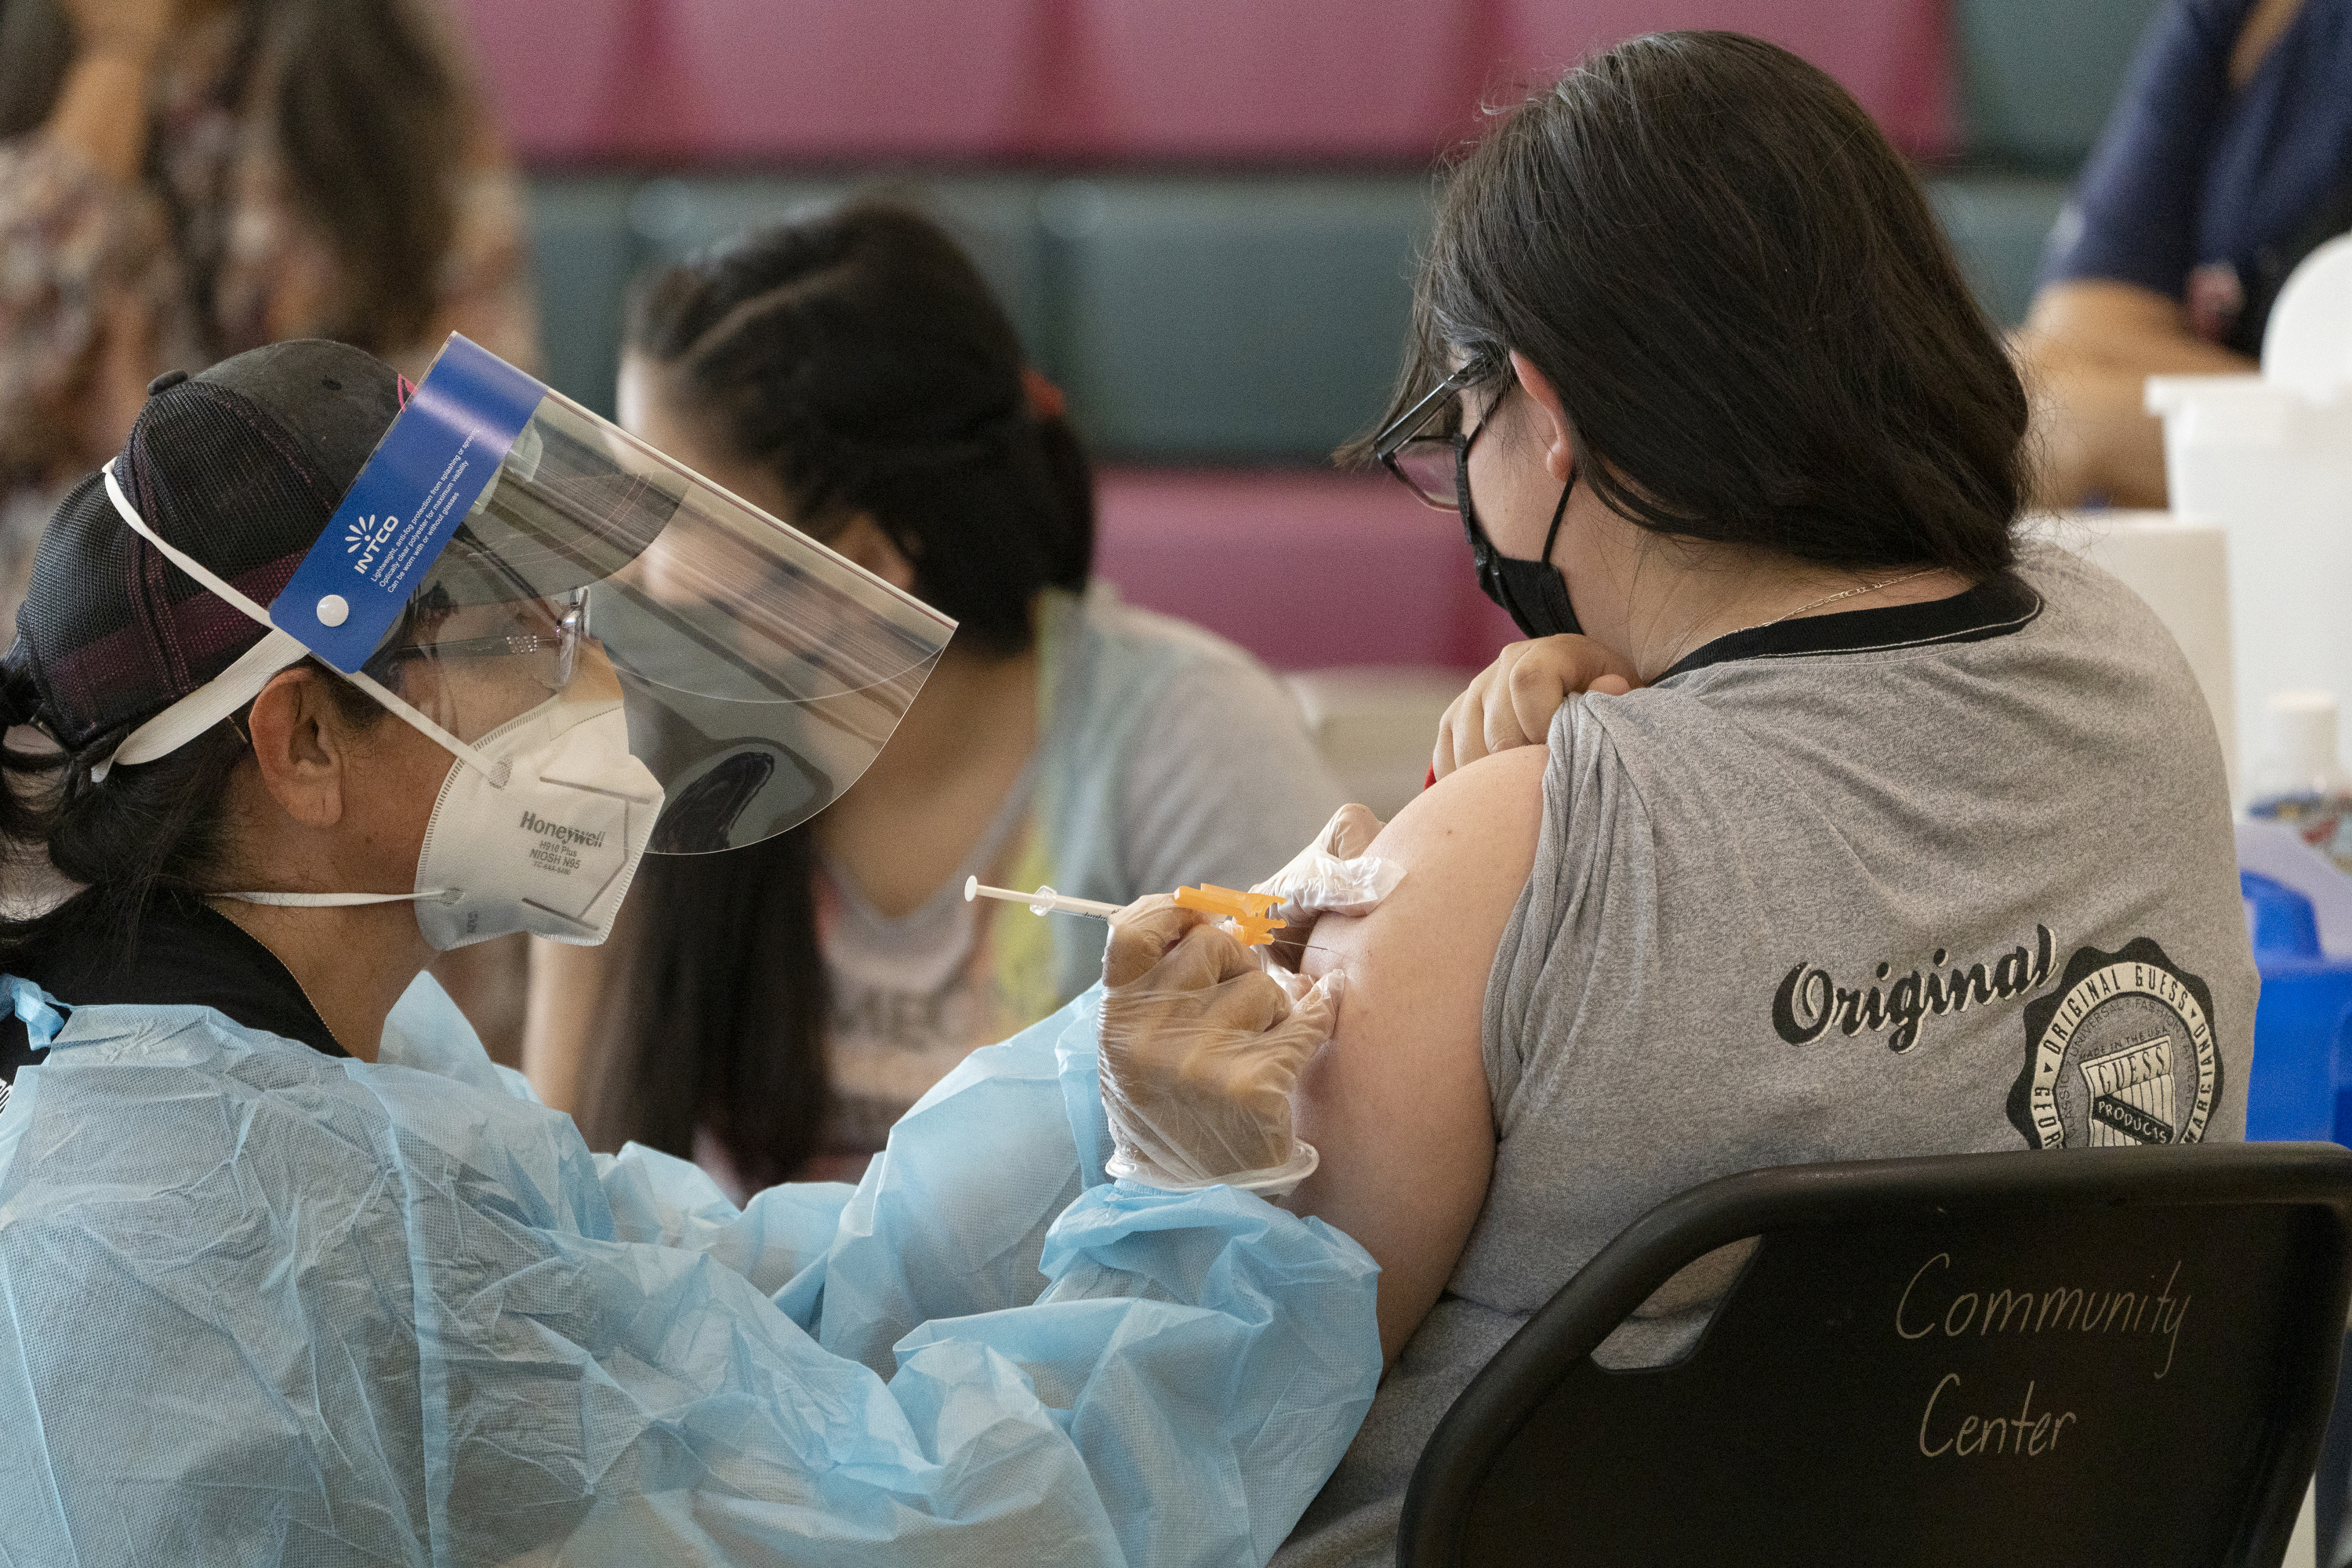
(329, 673)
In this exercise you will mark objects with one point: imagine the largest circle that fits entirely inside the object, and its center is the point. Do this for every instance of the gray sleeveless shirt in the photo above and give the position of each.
(1938, 879)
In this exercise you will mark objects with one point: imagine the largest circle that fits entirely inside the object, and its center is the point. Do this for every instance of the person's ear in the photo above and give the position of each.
(863, 541)
(1551, 417)
(300, 747)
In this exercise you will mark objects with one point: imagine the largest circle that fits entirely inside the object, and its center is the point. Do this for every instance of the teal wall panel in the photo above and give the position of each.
(1243, 319)
(581, 255)
(1191, 319)
(1998, 226)
(2038, 75)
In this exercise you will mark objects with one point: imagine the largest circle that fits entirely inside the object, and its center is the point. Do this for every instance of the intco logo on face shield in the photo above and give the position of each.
(366, 534)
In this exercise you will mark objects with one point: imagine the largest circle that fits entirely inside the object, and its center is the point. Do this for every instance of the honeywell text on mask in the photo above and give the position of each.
(534, 823)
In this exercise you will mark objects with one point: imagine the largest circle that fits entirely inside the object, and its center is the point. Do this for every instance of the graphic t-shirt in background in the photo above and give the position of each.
(909, 998)
(1165, 756)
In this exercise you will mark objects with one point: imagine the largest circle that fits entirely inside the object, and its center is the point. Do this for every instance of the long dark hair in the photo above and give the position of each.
(371, 114)
(147, 835)
(858, 356)
(1736, 284)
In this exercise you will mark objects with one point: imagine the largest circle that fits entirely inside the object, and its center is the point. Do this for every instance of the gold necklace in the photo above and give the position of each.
(1800, 609)
(1833, 598)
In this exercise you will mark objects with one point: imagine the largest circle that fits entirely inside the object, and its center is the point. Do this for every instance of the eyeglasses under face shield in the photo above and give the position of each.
(759, 673)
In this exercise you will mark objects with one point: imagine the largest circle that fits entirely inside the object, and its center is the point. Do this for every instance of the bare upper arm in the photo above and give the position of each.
(2117, 325)
(1397, 1103)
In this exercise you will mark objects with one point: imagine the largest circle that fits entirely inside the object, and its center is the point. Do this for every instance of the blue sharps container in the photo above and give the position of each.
(2302, 1027)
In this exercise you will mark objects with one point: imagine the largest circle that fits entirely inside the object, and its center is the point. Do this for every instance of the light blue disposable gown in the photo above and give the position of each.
(258, 1305)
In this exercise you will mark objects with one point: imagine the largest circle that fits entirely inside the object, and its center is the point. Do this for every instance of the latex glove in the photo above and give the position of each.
(1199, 1050)
(1512, 701)
(1332, 876)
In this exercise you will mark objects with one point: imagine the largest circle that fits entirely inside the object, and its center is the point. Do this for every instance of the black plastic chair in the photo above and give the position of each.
(2079, 1357)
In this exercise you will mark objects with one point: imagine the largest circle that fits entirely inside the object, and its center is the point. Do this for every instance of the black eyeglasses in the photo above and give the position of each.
(1436, 468)
(553, 656)
(1430, 465)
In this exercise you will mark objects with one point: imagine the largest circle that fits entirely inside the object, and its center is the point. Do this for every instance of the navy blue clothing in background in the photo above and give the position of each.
(2193, 179)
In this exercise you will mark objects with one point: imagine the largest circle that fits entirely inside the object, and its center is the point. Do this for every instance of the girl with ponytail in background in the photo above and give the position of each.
(772, 1012)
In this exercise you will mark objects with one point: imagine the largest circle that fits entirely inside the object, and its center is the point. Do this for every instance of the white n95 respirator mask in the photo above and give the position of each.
(551, 851)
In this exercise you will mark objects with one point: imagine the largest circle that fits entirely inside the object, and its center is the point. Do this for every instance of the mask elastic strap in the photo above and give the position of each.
(1558, 512)
(218, 698)
(329, 900)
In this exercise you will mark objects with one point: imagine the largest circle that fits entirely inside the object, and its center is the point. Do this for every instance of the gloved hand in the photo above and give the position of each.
(1199, 1050)
(1332, 876)
(1512, 701)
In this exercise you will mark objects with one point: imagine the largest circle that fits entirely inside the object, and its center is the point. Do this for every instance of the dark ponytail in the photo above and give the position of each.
(715, 1017)
(142, 836)
(858, 357)
(27, 779)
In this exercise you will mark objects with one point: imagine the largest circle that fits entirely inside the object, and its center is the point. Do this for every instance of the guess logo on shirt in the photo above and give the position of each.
(2121, 1052)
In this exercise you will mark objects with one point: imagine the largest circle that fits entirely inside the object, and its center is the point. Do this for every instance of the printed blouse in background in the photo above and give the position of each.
(216, 249)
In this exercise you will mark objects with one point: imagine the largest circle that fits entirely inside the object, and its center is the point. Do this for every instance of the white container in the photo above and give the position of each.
(2273, 467)
(2307, 343)
(2182, 569)
(2269, 458)
(1377, 726)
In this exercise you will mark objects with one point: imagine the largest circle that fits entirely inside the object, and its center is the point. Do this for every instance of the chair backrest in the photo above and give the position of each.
(2081, 1357)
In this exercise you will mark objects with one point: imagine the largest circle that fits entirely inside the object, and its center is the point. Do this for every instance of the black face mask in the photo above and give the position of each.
(1532, 593)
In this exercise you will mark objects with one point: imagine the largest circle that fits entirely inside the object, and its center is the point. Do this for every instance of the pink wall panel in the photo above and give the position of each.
(556, 76)
(787, 80)
(1305, 570)
(1894, 56)
(877, 78)
(1311, 78)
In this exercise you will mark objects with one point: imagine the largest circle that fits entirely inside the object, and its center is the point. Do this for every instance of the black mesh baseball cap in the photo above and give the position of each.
(241, 467)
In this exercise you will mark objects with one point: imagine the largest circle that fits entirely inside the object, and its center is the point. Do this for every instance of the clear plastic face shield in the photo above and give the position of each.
(622, 657)
(758, 672)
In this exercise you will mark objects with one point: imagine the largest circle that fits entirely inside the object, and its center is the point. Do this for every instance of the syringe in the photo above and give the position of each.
(1044, 902)
(1246, 912)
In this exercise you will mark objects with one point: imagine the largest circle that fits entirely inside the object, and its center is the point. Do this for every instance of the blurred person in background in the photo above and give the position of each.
(183, 180)
(773, 1012)
(2227, 160)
